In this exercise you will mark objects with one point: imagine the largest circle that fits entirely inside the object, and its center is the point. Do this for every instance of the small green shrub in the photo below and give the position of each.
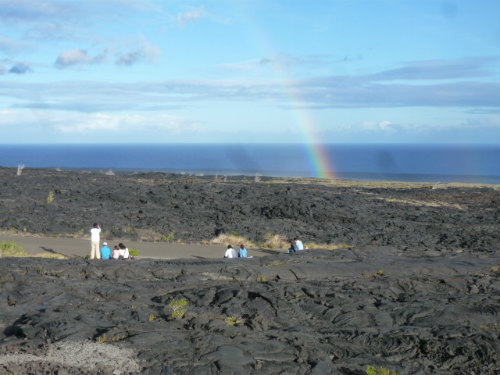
(178, 307)
(133, 252)
(262, 279)
(370, 370)
(233, 321)
(170, 237)
(50, 197)
(10, 249)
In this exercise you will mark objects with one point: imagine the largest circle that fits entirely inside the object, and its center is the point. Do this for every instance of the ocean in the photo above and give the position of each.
(394, 162)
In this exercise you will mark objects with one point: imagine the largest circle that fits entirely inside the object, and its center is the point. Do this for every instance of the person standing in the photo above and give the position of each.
(95, 238)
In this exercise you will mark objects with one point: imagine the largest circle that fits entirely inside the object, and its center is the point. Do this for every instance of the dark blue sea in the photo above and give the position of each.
(395, 162)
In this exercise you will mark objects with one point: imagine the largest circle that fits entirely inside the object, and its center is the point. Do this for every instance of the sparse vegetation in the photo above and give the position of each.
(277, 263)
(169, 238)
(233, 321)
(314, 245)
(50, 197)
(105, 338)
(225, 239)
(370, 370)
(133, 252)
(178, 307)
(261, 279)
(50, 256)
(275, 241)
(11, 249)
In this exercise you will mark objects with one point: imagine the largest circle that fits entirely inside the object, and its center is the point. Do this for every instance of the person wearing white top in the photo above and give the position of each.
(95, 238)
(299, 244)
(123, 250)
(230, 252)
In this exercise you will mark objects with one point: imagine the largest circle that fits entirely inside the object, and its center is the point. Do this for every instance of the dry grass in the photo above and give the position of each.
(49, 255)
(232, 239)
(275, 241)
(331, 246)
(415, 202)
(373, 184)
(11, 249)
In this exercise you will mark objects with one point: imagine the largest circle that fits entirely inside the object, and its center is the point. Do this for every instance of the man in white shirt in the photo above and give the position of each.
(230, 252)
(299, 245)
(95, 238)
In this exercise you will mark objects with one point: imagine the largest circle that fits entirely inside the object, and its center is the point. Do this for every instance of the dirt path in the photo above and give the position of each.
(81, 247)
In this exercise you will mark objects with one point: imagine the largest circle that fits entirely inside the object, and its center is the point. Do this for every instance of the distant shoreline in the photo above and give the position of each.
(365, 162)
(347, 177)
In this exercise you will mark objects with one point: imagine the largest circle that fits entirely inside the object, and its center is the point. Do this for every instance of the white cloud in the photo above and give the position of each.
(72, 57)
(376, 125)
(96, 126)
(196, 13)
(147, 52)
(123, 123)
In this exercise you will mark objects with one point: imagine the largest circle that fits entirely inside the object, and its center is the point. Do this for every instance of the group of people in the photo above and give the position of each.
(119, 252)
(295, 245)
(232, 253)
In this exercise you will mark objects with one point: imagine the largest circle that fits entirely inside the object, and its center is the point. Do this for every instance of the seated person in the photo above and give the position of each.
(124, 254)
(116, 253)
(230, 252)
(293, 247)
(299, 245)
(105, 251)
(243, 251)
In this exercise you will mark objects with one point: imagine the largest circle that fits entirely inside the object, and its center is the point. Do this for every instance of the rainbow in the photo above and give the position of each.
(319, 164)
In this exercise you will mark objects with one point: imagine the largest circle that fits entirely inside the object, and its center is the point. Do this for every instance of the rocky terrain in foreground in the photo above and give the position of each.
(417, 291)
(316, 312)
(158, 206)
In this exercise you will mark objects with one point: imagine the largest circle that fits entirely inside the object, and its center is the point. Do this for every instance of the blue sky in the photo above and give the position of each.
(346, 71)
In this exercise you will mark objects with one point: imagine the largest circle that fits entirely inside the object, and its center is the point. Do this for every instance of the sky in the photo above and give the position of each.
(266, 71)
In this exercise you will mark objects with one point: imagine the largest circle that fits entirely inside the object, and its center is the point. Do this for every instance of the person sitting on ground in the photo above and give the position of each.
(230, 252)
(242, 252)
(293, 247)
(105, 251)
(116, 253)
(298, 244)
(124, 253)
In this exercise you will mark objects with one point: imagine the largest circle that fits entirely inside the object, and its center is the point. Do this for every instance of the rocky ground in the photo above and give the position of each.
(157, 206)
(418, 292)
(318, 312)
